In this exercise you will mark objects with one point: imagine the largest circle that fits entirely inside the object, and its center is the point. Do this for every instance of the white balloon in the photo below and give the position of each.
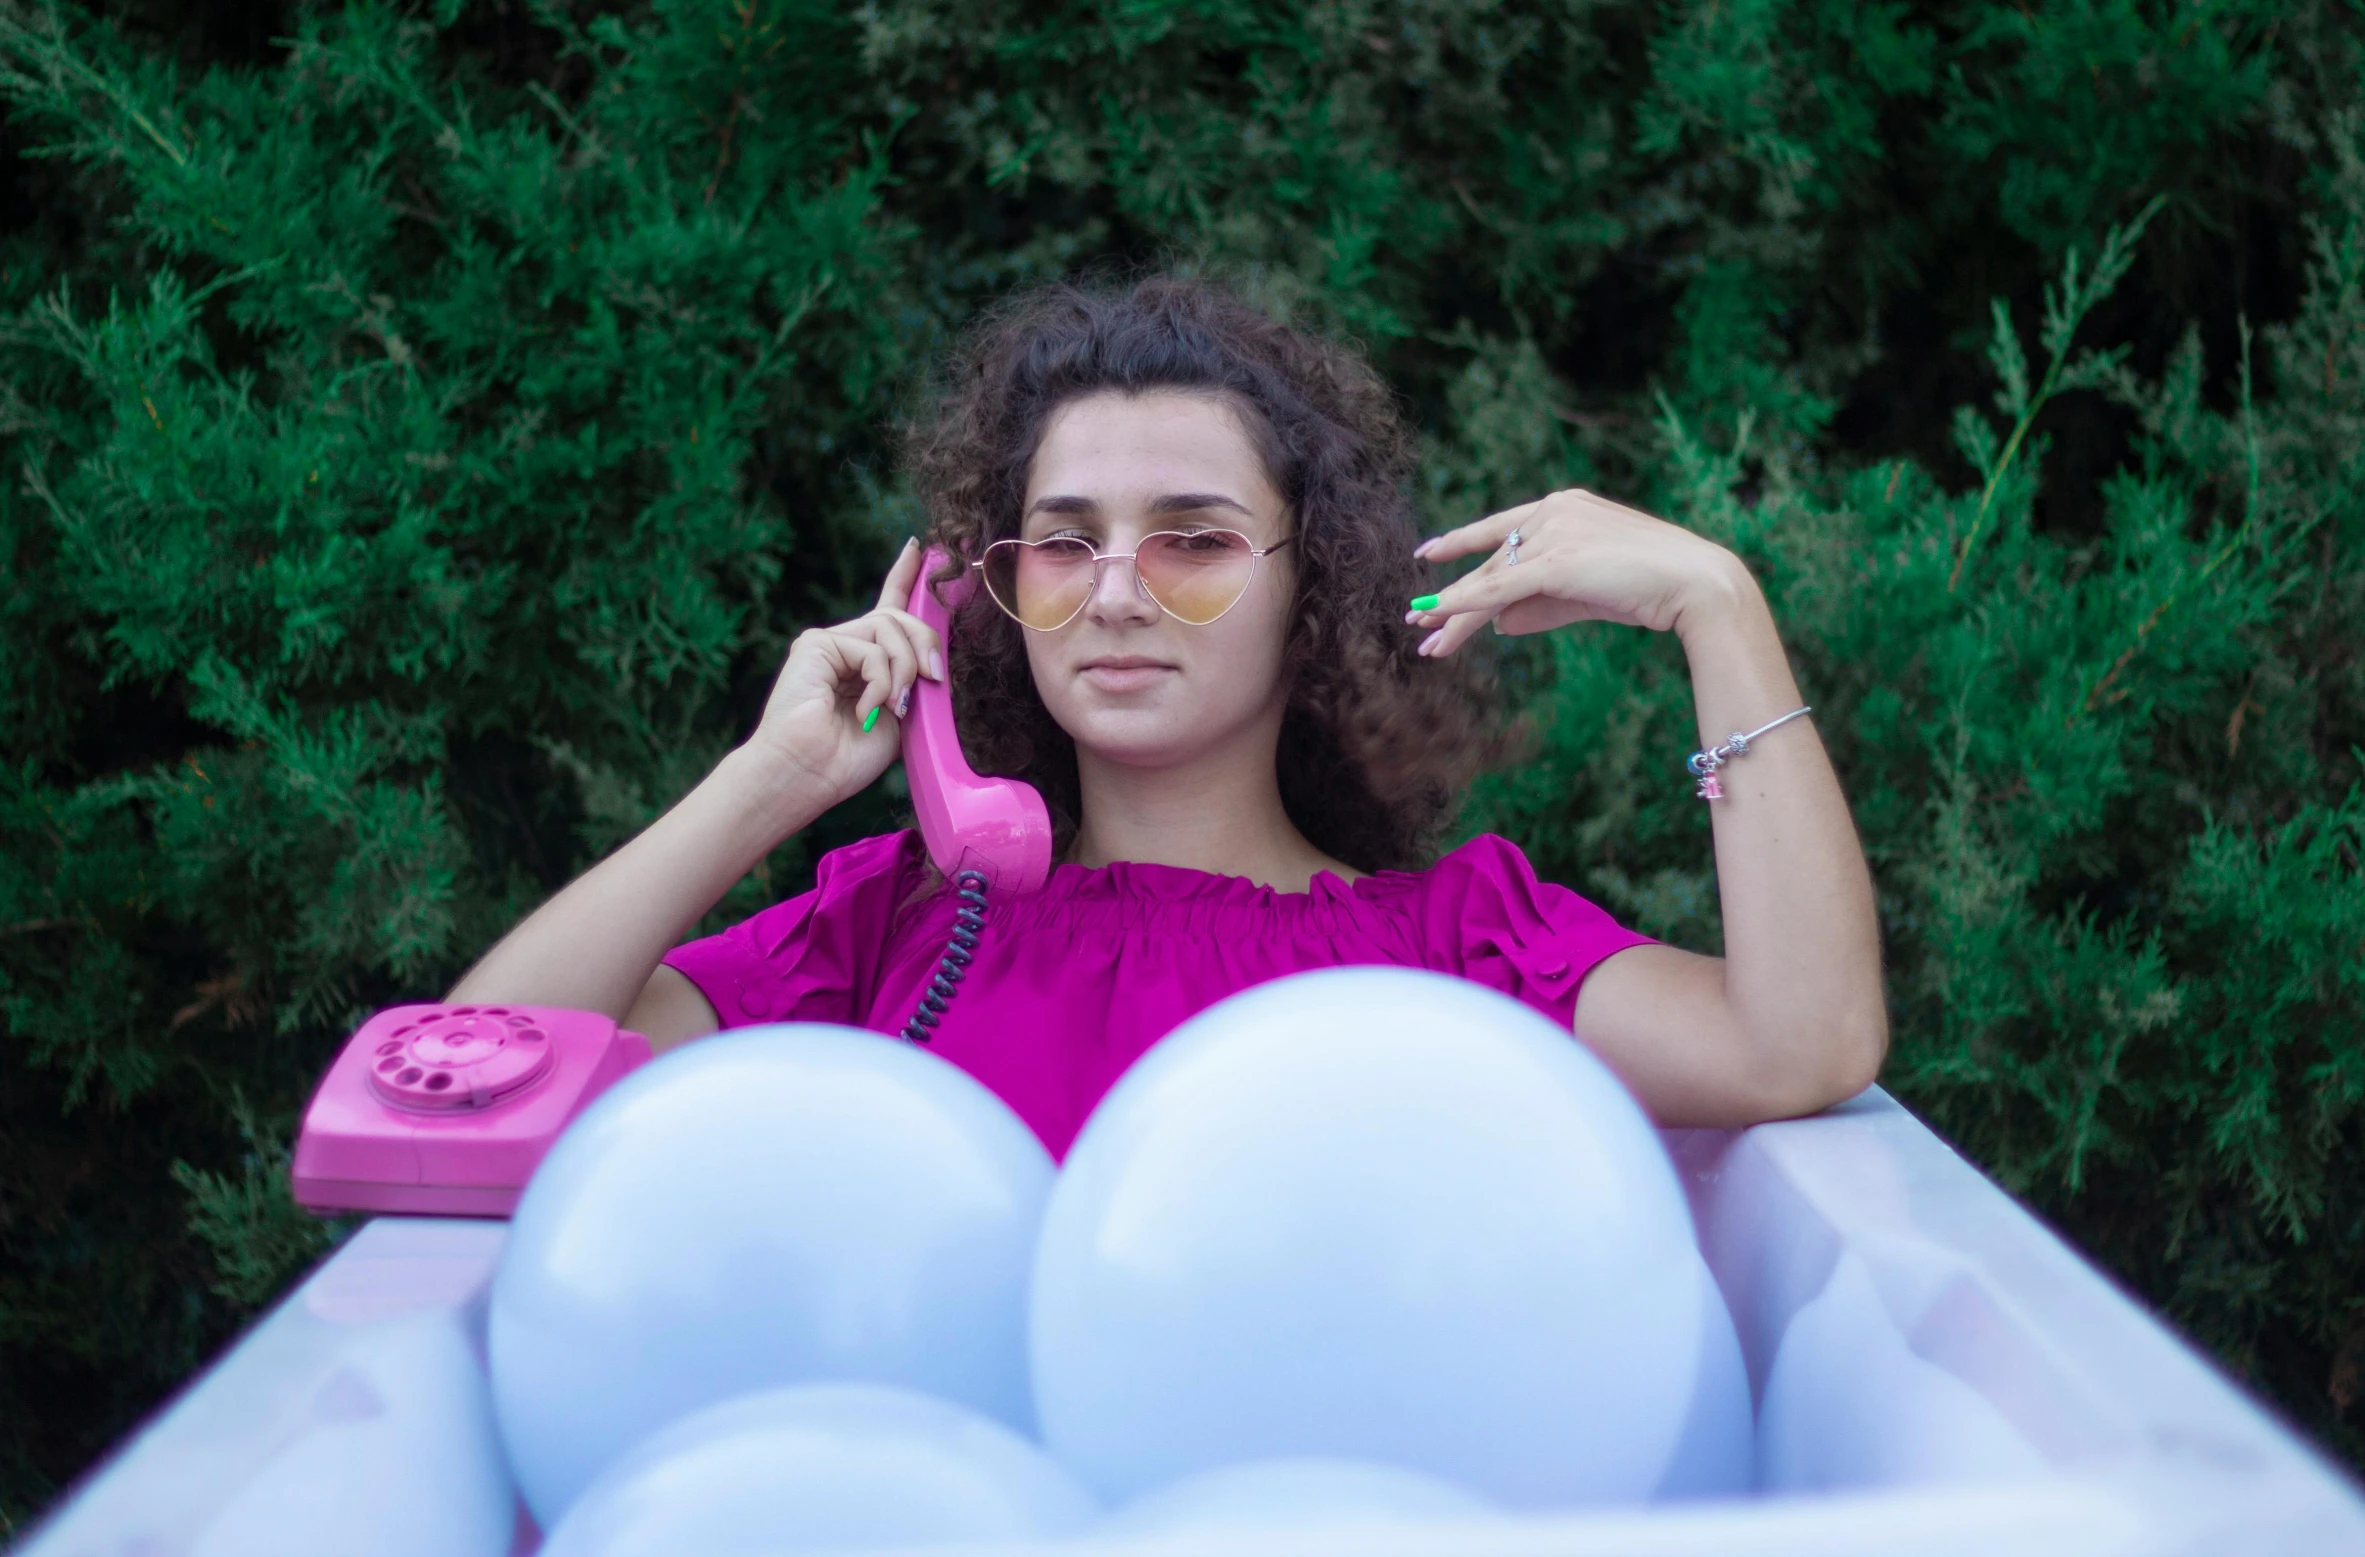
(821, 1467)
(1372, 1213)
(768, 1206)
(1296, 1494)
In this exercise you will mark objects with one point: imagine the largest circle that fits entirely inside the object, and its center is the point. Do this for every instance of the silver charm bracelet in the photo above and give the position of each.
(1705, 763)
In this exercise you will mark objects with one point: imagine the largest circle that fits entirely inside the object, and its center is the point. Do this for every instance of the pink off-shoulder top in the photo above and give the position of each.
(1073, 982)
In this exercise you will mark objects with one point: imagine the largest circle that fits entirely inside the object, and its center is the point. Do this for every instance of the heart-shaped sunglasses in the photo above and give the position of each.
(1193, 576)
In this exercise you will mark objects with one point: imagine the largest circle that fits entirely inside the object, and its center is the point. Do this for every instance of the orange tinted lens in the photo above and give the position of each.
(1196, 574)
(1042, 583)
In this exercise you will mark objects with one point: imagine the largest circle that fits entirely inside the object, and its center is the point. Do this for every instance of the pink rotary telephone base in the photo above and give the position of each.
(446, 1110)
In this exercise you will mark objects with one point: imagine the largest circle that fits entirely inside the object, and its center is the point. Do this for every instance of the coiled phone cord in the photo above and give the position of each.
(959, 952)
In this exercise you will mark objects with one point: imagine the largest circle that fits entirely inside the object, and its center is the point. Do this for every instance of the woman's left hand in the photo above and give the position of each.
(1582, 558)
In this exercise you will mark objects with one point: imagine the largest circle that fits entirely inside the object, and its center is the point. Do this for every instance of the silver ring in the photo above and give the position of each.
(1511, 550)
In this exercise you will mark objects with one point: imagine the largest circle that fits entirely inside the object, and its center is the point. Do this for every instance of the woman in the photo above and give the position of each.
(1246, 776)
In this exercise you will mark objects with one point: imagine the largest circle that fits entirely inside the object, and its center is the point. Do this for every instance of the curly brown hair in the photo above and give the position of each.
(1377, 744)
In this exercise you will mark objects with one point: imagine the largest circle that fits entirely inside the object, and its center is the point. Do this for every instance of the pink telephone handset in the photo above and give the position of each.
(446, 1110)
(983, 834)
(995, 826)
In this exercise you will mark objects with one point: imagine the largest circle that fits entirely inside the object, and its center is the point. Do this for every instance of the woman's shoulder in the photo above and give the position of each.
(1483, 899)
(897, 853)
(814, 956)
(865, 885)
(882, 878)
(1486, 864)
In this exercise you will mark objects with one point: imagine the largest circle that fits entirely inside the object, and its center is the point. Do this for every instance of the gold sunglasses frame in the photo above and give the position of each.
(1256, 560)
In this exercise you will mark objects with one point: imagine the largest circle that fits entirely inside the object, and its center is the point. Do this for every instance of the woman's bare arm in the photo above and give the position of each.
(1791, 1019)
(595, 946)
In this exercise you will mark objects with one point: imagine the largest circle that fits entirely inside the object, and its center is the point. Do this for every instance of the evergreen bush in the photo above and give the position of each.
(426, 425)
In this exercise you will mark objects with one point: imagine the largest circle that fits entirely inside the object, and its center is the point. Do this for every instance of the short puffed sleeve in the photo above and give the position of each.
(1483, 914)
(813, 958)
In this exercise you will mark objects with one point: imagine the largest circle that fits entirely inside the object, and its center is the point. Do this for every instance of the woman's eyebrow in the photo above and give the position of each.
(1171, 503)
(1192, 502)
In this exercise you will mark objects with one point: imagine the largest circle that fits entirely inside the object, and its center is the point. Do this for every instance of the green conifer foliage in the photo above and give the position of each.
(420, 437)
(415, 459)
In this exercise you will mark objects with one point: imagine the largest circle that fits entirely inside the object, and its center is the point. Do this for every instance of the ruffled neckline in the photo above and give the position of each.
(1136, 880)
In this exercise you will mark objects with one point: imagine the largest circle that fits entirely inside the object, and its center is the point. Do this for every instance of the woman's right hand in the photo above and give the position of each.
(836, 677)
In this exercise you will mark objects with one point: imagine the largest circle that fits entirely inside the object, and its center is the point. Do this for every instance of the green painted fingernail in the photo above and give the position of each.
(1424, 602)
(868, 720)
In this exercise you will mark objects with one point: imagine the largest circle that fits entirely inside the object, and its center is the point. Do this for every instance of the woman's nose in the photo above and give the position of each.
(1118, 594)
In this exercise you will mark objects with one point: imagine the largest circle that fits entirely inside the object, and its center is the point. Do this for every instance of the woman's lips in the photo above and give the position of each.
(1123, 673)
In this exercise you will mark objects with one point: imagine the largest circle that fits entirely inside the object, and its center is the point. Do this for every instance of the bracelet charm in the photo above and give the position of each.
(1704, 764)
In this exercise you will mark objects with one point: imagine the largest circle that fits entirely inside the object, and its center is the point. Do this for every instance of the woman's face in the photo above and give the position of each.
(1128, 682)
